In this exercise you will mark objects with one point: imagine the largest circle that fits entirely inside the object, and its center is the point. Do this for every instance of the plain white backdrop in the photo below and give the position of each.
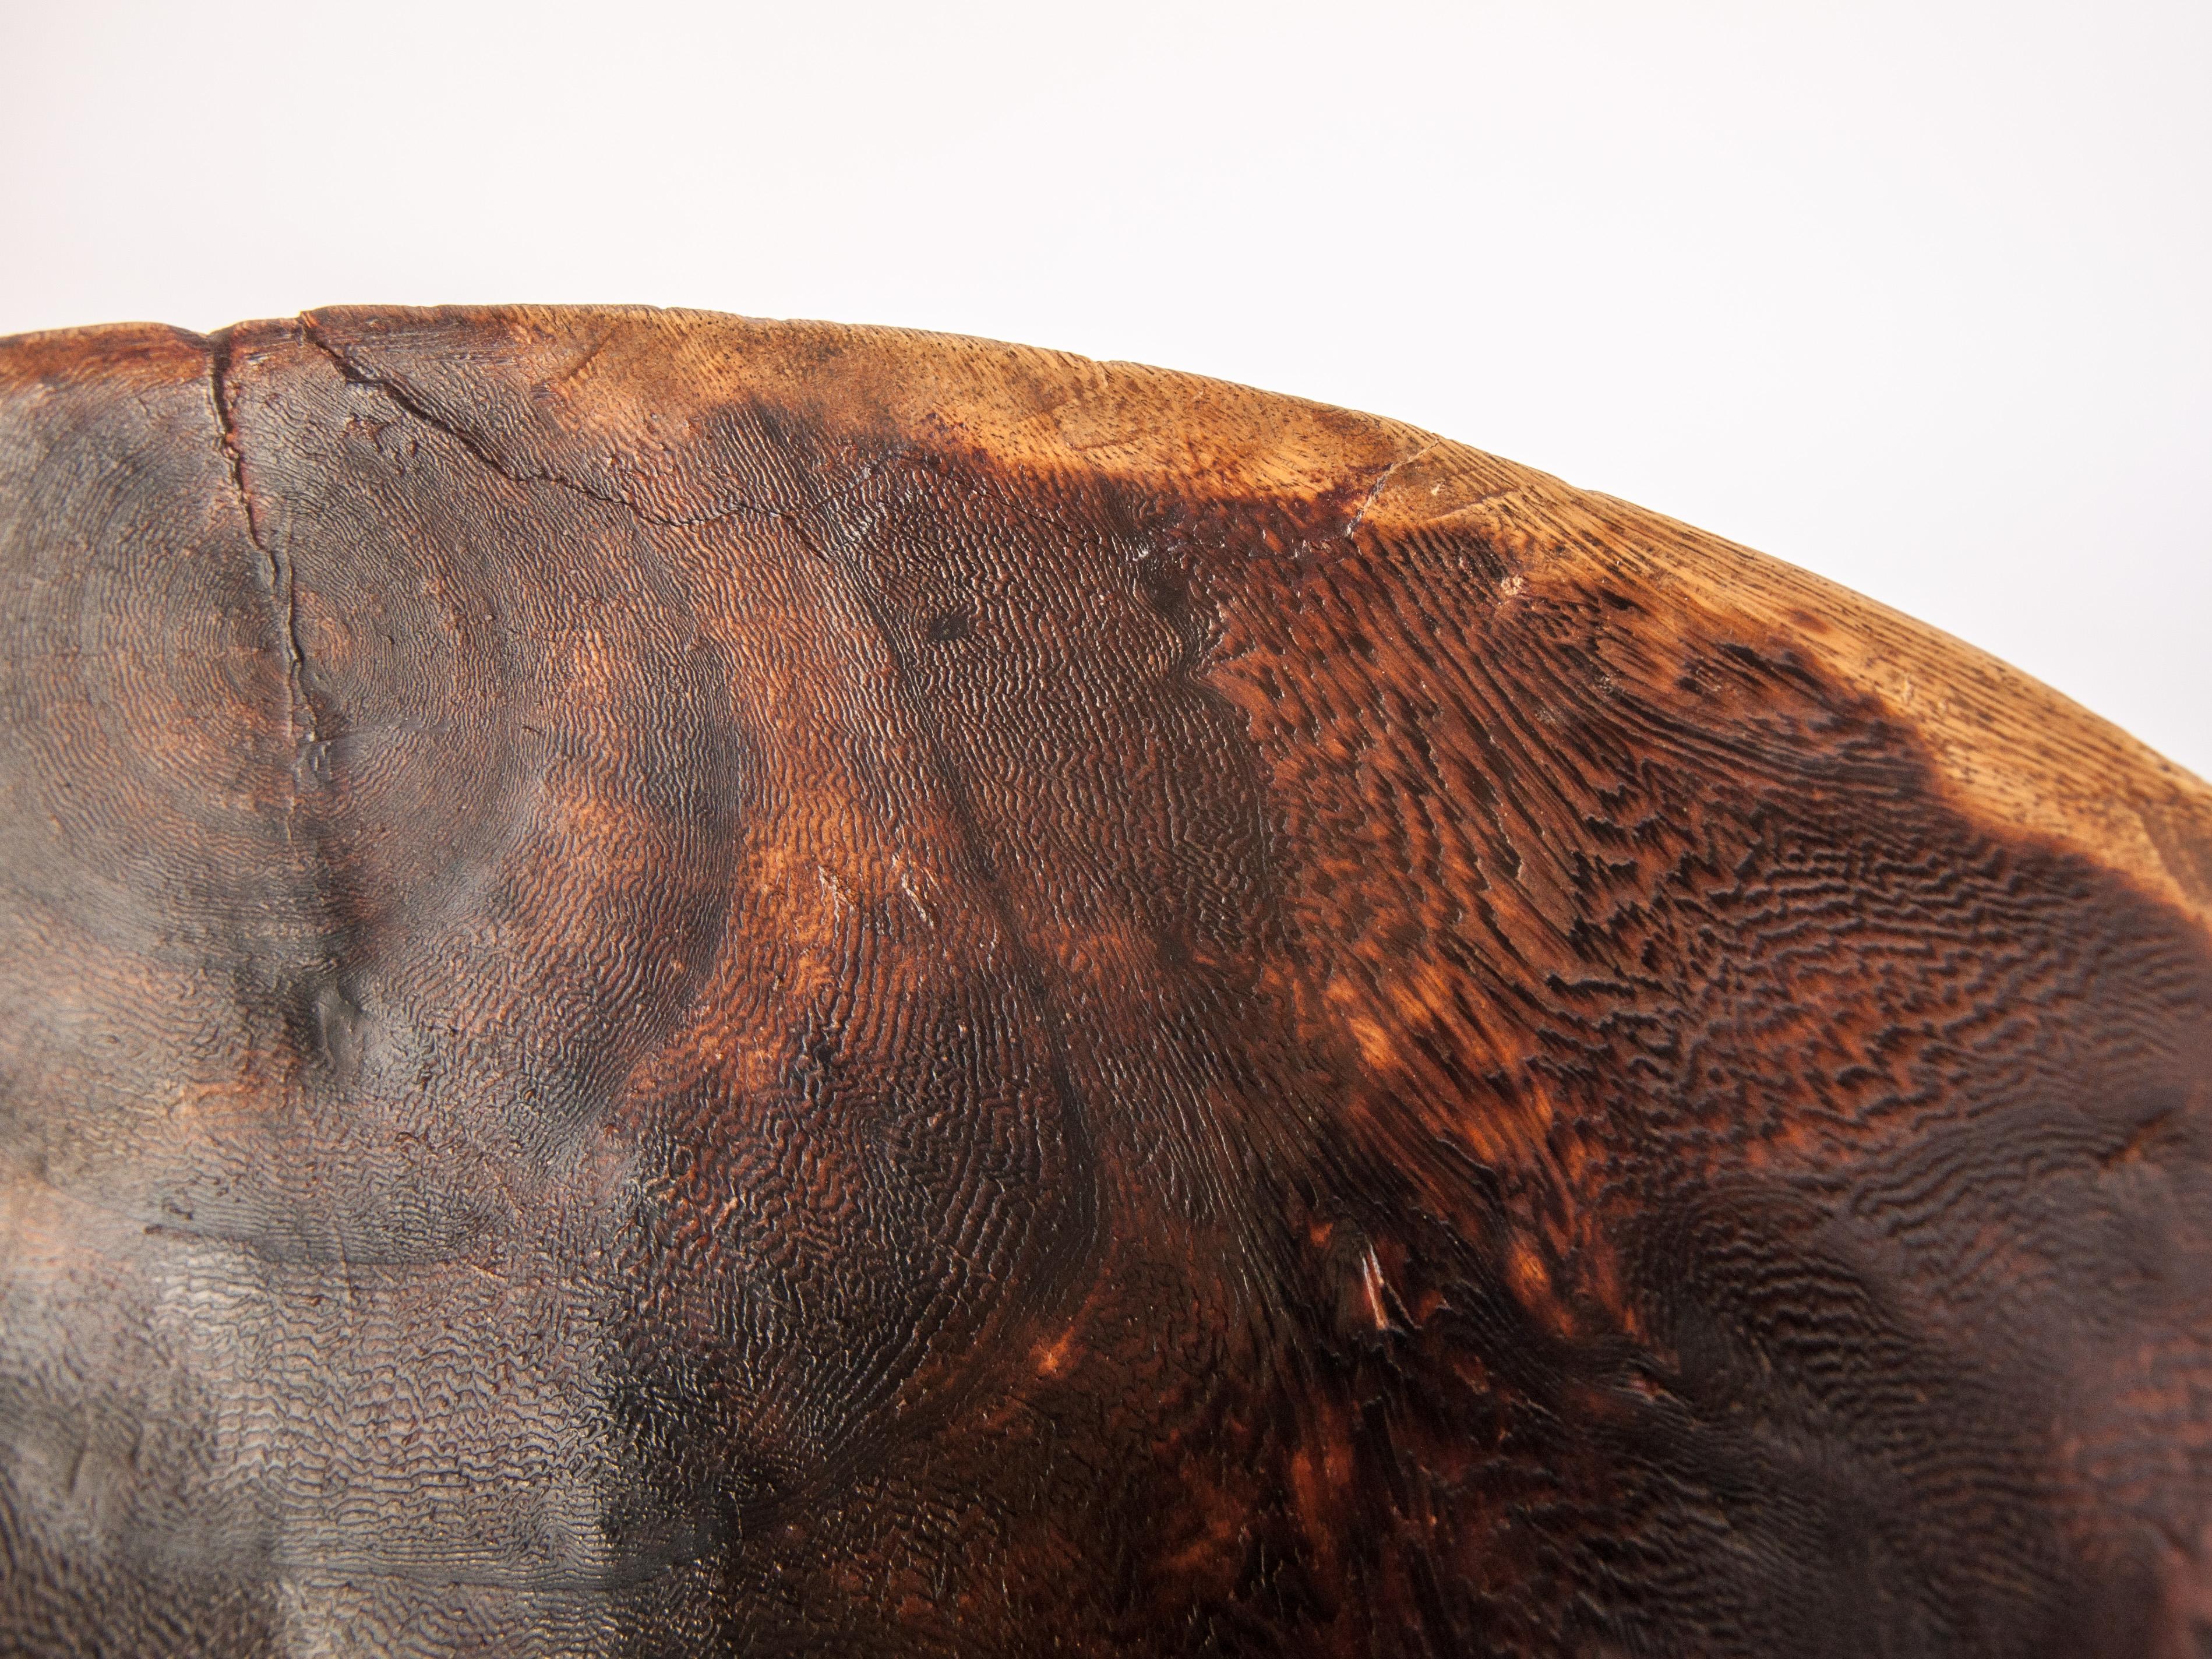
(1919, 295)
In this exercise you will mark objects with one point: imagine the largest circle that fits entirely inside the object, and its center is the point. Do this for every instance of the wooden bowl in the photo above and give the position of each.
(677, 985)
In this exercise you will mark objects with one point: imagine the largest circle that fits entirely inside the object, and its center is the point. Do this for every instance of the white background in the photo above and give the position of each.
(1915, 294)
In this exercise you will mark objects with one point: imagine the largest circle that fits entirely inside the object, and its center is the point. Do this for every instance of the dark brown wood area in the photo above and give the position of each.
(679, 985)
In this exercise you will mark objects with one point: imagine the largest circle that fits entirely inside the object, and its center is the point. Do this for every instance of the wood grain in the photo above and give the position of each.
(676, 985)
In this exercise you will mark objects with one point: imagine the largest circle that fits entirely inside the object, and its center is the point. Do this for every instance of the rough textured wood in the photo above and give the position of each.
(671, 985)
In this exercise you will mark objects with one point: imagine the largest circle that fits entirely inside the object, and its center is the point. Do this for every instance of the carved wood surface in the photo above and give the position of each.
(675, 985)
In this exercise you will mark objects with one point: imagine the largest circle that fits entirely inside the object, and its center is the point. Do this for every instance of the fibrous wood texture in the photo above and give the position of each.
(671, 985)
